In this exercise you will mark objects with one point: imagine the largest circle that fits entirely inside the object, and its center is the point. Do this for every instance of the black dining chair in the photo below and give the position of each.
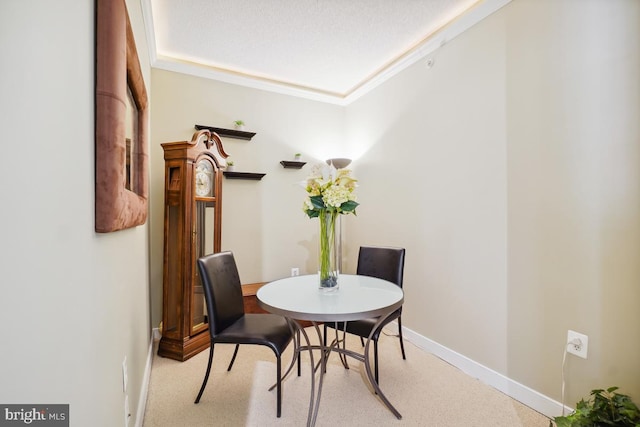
(384, 263)
(229, 324)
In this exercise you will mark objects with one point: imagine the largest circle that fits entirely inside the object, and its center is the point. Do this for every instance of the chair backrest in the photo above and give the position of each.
(382, 262)
(222, 290)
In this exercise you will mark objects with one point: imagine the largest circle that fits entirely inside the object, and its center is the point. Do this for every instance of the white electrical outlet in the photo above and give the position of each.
(577, 343)
(295, 271)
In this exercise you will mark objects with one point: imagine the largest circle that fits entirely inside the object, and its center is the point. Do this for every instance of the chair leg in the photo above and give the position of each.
(279, 387)
(233, 358)
(400, 335)
(324, 335)
(206, 375)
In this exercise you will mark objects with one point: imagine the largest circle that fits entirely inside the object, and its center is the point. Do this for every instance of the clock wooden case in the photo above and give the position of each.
(192, 229)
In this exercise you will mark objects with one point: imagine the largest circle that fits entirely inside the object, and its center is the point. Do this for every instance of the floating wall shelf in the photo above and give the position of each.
(290, 164)
(243, 175)
(230, 133)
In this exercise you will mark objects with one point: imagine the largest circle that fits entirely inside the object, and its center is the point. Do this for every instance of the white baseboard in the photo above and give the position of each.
(533, 399)
(144, 390)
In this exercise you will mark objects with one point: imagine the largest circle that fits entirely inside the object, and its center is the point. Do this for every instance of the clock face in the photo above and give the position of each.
(204, 178)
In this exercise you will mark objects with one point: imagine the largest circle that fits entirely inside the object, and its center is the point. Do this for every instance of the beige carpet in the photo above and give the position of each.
(426, 390)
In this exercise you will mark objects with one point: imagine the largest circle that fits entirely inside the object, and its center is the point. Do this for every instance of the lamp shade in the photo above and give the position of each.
(339, 163)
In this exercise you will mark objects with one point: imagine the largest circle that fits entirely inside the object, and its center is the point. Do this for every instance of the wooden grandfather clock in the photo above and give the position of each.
(192, 229)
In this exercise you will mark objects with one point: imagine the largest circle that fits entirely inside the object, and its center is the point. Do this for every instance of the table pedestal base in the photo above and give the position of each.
(325, 351)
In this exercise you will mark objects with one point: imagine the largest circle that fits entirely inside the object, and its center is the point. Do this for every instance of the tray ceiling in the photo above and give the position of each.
(328, 50)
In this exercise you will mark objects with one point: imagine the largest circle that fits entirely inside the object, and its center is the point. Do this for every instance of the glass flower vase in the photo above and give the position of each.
(328, 252)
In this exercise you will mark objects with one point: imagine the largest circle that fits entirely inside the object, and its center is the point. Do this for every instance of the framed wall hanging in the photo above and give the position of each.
(121, 123)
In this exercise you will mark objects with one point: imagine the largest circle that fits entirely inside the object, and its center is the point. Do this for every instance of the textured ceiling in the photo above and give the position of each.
(330, 48)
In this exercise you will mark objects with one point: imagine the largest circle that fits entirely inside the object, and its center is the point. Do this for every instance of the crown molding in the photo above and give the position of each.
(248, 80)
(428, 46)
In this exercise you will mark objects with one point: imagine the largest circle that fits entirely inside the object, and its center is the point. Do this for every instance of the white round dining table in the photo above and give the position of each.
(358, 297)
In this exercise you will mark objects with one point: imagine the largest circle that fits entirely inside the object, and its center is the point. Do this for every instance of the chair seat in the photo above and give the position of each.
(363, 327)
(263, 329)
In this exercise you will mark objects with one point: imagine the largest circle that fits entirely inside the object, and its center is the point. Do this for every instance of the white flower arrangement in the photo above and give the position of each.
(330, 190)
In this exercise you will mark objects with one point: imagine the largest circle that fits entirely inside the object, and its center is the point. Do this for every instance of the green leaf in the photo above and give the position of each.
(316, 202)
(349, 206)
(312, 213)
(562, 422)
(606, 408)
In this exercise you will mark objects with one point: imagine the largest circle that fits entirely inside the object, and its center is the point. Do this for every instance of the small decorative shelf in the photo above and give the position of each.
(291, 164)
(243, 175)
(231, 133)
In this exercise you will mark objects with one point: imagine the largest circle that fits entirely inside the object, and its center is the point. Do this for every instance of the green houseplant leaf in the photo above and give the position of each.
(604, 408)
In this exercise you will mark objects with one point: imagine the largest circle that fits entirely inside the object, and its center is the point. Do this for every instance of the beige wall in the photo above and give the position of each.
(573, 108)
(263, 221)
(509, 171)
(74, 302)
(512, 174)
(433, 180)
